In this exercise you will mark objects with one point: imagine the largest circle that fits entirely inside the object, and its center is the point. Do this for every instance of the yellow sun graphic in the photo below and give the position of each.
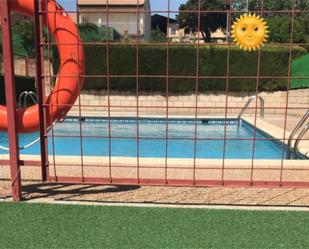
(250, 31)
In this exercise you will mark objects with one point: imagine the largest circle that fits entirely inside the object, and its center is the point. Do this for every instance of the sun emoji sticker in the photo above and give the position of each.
(250, 32)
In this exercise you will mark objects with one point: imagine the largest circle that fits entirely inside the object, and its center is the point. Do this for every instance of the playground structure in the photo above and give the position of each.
(55, 107)
(66, 89)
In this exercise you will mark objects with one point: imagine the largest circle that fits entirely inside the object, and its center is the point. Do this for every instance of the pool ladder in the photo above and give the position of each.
(299, 137)
(24, 96)
(262, 105)
(23, 104)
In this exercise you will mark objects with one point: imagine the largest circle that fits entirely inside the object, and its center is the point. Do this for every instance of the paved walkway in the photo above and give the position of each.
(279, 121)
(161, 195)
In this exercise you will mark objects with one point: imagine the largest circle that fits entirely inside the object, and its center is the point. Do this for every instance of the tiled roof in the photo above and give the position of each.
(110, 2)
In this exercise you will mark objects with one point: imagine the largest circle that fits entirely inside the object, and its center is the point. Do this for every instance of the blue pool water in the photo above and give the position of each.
(151, 143)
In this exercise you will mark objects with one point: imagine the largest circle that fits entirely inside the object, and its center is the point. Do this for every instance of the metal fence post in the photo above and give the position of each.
(40, 84)
(26, 66)
(10, 98)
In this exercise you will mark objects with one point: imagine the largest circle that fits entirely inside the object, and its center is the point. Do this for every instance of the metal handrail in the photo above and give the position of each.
(300, 136)
(262, 104)
(296, 129)
(27, 94)
(33, 97)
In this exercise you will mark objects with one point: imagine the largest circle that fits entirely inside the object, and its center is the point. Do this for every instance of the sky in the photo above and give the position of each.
(156, 5)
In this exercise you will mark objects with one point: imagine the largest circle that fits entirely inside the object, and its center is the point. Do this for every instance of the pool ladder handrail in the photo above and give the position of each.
(26, 94)
(294, 132)
(299, 138)
(262, 104)
(34, 98)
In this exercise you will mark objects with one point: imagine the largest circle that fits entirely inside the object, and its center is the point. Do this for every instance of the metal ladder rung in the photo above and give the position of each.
(299, 138)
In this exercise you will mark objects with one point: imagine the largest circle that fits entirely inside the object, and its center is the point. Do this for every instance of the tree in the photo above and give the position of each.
(209, 21)
(18, 47)
(280, 24)
(244, 4)
(92, 32)
(255, 5)
(25, 29)
(280, 28)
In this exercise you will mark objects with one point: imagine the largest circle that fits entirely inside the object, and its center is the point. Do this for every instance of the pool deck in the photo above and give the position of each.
(274, 127)
(213, 197)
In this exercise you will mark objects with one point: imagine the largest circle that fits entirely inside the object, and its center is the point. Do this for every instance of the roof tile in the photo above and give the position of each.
(110, 2)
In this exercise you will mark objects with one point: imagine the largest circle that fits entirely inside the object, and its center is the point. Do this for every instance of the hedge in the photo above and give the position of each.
(22, 84)
(182, 62)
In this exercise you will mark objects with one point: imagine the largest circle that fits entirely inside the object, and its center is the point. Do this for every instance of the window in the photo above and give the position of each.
(173, 31)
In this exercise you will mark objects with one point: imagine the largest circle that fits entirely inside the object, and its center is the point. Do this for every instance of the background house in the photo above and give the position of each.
(218, 36)
(123, 16)
(170, 27)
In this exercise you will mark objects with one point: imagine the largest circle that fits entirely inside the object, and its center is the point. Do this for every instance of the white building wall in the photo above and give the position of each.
(147, 21)
(125, 21)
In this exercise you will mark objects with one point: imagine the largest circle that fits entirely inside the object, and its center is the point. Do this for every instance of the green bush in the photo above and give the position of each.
(18, 48)
(280, 29)
(22, 84)
(91, 32)
(158, 36)
(152, 66)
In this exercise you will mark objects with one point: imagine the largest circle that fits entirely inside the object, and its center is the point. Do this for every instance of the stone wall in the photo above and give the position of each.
(212, 103)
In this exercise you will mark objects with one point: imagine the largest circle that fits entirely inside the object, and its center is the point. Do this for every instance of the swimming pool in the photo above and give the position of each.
(203, 138)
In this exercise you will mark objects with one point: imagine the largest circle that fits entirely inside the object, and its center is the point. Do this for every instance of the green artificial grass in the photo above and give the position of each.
(65, 226)
(300, 68)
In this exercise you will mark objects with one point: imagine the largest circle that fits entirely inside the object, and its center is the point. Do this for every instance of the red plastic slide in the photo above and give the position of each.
(69, 78)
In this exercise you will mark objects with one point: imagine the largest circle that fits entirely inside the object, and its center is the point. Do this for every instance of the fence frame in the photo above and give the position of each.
(44, 164)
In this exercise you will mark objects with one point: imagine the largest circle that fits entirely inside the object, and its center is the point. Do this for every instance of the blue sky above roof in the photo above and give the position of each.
(156, 5)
